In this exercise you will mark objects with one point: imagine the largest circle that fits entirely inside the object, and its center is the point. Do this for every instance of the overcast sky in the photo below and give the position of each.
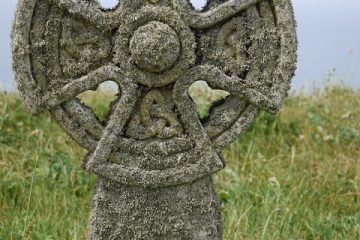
(328, 30)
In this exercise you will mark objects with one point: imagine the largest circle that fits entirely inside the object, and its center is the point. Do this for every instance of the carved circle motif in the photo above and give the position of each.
(155, 47)
(153, 136)
(177, 41)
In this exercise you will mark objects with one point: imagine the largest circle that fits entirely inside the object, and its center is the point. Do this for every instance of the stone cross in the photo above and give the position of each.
(153, 156)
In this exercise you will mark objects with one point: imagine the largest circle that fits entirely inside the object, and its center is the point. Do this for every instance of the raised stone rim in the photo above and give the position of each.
(31, 93)
(169, 17)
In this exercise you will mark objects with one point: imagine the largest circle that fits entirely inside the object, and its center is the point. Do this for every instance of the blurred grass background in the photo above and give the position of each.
(295, 175)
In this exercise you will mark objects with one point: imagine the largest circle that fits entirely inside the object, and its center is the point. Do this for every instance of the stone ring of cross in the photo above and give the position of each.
(154, 50)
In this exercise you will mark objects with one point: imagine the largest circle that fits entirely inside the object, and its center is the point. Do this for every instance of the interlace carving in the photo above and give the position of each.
(84, 48)
(153, 147)
(244, 47)
(155, 118)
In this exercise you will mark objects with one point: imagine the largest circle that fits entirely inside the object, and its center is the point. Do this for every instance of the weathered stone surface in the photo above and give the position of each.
(153, 156)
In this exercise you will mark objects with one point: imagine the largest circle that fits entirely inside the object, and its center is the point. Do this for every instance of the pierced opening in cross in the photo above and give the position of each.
(198, 4)
(206, 98)
(109, 4)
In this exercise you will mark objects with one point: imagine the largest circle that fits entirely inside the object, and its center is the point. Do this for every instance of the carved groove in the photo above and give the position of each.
(247, 43)
(152, 154)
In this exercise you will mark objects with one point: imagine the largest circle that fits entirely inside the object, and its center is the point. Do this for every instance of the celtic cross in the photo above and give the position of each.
(153, 156)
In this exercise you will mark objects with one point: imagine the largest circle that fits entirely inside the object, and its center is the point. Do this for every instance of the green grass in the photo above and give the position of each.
(295, 175)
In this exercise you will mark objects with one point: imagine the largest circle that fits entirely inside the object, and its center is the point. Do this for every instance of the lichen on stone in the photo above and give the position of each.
(153, 156)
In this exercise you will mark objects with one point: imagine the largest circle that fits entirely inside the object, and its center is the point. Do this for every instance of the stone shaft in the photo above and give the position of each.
(185, 212)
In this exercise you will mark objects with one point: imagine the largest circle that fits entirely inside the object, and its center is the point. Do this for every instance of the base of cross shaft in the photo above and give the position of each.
(185, 212)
